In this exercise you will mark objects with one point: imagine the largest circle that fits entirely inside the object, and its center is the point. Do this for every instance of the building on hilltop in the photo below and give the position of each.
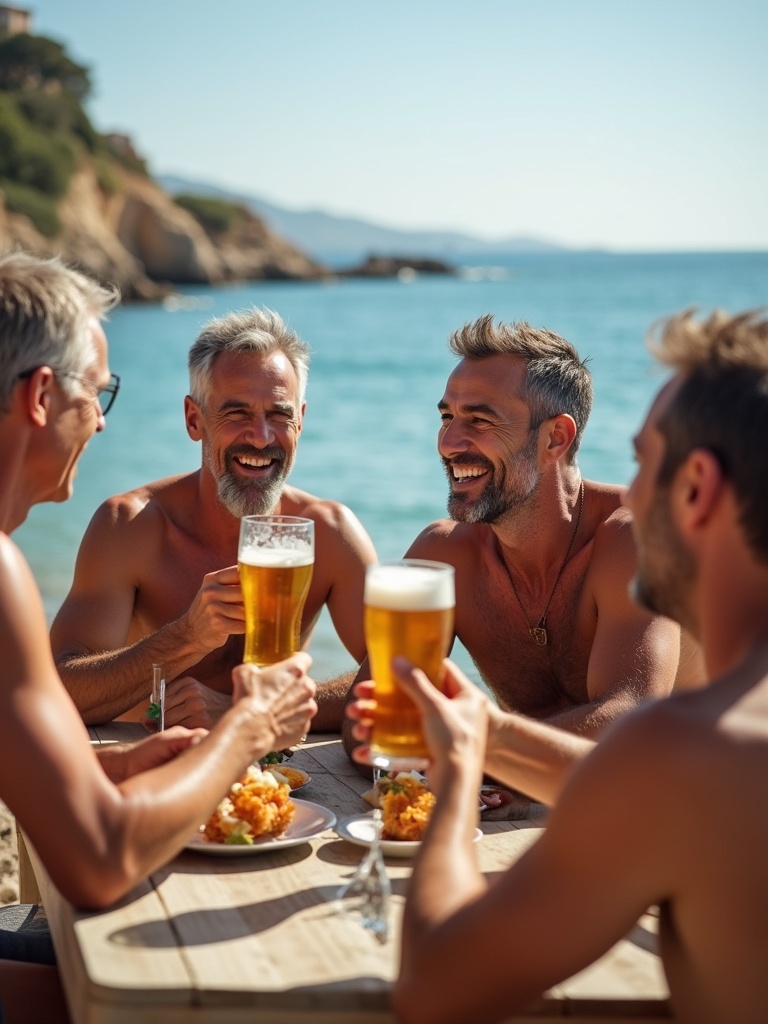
(14, 20)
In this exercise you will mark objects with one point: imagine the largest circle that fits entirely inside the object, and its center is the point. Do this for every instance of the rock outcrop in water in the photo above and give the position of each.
(398, 266)
(134, 235)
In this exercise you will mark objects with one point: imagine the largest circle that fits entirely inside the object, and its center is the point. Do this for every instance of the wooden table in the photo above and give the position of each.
(216, 940)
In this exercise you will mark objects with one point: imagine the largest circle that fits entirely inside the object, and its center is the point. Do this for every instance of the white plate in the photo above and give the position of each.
(360, 830)
(309, 821)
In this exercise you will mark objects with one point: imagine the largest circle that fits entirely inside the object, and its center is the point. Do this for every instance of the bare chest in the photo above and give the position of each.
(172, 582)
(534, 678)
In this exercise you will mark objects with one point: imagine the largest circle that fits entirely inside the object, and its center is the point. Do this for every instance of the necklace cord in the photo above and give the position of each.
(539, 631)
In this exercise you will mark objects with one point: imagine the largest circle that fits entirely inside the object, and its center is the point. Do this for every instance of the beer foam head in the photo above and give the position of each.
(409, 588)
(276, 558)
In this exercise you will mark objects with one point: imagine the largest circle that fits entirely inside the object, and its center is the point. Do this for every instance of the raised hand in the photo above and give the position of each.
(282, 698)
(217, 609)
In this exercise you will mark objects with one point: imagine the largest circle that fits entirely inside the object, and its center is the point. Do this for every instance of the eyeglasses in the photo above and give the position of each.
(104, 393)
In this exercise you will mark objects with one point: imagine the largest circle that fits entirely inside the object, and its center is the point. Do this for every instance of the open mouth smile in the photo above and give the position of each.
(465, 475)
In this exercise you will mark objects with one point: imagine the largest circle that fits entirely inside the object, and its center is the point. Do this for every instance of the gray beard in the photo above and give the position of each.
(252, 500)
(510, 488)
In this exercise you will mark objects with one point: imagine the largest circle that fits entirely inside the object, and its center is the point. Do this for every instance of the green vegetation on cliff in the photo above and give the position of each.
(215, 215)
(44, 130)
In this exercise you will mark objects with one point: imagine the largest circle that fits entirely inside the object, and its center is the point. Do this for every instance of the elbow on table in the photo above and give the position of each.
(96, 882)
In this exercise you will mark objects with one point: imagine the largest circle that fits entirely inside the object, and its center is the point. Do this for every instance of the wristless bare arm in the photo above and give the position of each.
(97, 838)
(107, 684)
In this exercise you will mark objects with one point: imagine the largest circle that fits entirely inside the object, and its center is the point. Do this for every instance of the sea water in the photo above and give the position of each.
(379, 364)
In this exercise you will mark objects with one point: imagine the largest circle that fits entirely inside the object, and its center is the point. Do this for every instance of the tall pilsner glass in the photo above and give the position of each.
(275, 558)
(409, 610)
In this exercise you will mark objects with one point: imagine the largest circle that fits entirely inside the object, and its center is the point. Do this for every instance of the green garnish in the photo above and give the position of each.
(273, 757)
(153, 711)
(239, 839)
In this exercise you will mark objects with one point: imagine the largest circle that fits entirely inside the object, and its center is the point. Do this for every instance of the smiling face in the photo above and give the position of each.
(666, 568)
(249, 429)
(485, 442)
(80, 417)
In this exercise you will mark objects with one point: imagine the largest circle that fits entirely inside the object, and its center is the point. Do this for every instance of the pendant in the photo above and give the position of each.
(539, 635)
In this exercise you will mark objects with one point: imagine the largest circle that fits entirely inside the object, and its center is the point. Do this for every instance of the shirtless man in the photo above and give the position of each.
(156, 576)
(698, 503)
(543, 558)
(100, 821)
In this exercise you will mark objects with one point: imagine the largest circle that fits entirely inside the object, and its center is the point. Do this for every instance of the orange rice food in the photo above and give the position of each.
(293, 777)
(257, 805)
(406, 805)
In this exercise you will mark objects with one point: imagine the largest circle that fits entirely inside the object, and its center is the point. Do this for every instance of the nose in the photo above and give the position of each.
(451, 439)
(259, 432)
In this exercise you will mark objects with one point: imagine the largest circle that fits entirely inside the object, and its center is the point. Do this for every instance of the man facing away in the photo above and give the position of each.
(638, 817)
(172, 594)
(100, 821)
(542, 557)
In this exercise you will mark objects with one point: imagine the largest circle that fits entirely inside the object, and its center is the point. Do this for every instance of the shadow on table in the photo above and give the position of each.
(207, 927)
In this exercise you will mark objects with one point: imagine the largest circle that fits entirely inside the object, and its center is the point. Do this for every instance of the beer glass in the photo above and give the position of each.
(274, 558)
(409, 611)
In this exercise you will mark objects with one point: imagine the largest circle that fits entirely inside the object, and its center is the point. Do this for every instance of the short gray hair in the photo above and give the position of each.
(260, 331)
(556, 378)
(45, 307)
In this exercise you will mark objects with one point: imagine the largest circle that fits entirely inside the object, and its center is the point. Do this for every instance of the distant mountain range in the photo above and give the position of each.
(336, 240)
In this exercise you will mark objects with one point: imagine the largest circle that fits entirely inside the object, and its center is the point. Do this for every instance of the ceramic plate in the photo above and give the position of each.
(309, 821)
(360, 830)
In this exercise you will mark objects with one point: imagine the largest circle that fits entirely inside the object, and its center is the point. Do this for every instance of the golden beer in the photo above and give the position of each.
(275, 560)
(409, 611)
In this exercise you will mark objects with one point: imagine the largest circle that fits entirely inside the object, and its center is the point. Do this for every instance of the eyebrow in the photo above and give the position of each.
(481, 407)
(240, 403)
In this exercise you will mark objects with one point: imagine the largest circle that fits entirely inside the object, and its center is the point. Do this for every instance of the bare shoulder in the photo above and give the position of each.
(141, 508)
(22, 619)
(610, 524)
(334, 522)
(446, 540)
(13, 567)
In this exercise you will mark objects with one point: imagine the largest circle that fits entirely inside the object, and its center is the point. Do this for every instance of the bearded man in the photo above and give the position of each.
(156, 578)
(543, 558)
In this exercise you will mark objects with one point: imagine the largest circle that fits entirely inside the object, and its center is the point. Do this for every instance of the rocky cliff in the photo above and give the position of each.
(133, 234)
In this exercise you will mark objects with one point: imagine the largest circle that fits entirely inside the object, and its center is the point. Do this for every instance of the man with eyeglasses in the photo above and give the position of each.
(101, 821)
(172, 594)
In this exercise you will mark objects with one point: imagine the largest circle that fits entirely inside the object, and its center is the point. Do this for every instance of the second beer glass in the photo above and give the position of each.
(409, 611)
(275, 558)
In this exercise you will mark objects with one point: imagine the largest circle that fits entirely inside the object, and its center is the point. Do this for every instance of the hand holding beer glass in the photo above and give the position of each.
(275, 557)
(409, 611)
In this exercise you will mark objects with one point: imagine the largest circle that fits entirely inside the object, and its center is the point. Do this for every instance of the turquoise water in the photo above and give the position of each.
(379, 363)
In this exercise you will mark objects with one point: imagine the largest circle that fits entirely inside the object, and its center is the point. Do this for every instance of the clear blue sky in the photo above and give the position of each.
(601, 122)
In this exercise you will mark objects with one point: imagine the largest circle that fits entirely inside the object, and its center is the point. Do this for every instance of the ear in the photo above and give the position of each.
(37, 395)
(192, 417)
(558, 434)
(301, 417)
(697, 488)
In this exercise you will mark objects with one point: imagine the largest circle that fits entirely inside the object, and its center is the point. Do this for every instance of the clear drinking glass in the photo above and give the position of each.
(275, 557)
(409, 611)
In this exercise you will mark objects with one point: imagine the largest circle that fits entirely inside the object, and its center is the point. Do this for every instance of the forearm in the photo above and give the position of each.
(532, 757)
(588, 720)
(446, 875)
(331, 697)
(151, 814)
(109, 683)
